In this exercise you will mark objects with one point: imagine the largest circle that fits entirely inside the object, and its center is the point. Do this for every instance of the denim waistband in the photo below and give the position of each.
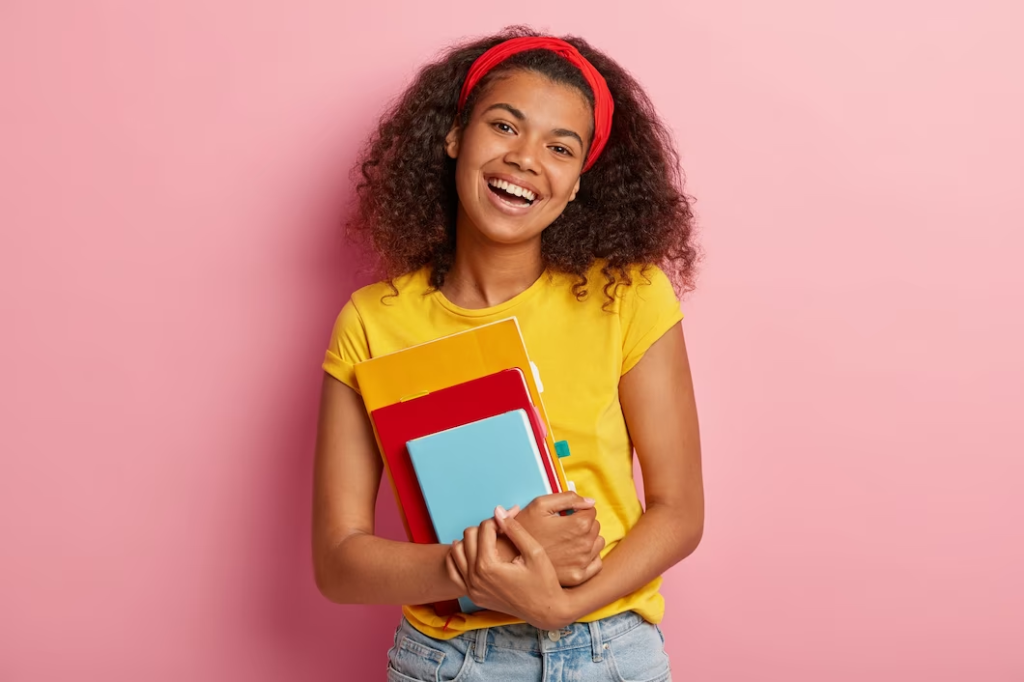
(523, 637)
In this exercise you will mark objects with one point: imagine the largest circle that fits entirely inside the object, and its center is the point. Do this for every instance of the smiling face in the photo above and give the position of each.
(520, 156)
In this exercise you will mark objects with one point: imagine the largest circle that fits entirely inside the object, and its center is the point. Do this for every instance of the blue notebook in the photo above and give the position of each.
(465, 472)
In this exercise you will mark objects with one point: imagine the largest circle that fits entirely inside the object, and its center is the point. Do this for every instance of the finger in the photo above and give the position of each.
(580, 524)
(599, 544)
(459, 556)
(584, 519)
(469, 541)
(587, 523)
(514, 511)
(526, 544)
(453, 572)
(592, 569)
(487, 543)
(560, 502)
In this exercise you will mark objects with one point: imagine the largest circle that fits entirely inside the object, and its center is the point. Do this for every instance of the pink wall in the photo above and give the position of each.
(170, 178)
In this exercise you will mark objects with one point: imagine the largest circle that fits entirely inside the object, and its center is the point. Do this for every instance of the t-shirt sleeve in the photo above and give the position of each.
(648, 311)
(348, 345)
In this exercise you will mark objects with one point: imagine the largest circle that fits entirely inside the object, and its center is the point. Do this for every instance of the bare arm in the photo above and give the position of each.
(351, 564)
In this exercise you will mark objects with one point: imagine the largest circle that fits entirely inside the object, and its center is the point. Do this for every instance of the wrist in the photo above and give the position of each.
(562, 612)
(571, 609)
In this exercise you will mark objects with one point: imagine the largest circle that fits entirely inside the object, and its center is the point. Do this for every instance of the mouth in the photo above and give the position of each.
(511, 194)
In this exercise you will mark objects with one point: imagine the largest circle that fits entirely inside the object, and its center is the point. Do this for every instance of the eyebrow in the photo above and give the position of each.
(559, 132)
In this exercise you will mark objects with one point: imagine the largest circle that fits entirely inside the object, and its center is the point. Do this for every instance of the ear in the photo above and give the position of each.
(575, 189)
(452, 139)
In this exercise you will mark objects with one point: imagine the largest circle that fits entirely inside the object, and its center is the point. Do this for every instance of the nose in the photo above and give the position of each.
(523, 154)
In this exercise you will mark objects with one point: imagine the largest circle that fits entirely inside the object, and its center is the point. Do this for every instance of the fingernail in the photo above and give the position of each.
(589, 500)
(500, 512)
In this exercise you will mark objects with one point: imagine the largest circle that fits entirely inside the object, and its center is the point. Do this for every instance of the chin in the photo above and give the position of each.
(509, 235)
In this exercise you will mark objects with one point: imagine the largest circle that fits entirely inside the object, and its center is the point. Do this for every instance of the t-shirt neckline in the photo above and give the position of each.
(519, 298)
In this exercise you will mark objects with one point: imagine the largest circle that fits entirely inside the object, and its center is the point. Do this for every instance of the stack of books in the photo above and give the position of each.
(461, 428)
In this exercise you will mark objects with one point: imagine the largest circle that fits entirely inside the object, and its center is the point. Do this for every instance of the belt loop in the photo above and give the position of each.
(480, 645)
(596, 645)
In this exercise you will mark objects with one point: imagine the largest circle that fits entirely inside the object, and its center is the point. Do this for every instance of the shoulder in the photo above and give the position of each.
(648, 307)
(637, 282)
(377, 306)
(642, 275)
(390, 297)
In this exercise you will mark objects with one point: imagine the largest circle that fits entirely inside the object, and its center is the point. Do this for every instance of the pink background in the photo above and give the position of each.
(171, 177)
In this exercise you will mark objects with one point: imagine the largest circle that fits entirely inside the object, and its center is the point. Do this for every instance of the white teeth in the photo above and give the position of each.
(512, 189)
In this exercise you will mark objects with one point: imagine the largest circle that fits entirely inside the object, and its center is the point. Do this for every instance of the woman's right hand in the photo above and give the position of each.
(573, 543)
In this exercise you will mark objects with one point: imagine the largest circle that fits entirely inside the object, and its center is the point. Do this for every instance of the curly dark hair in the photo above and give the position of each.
(630, 210)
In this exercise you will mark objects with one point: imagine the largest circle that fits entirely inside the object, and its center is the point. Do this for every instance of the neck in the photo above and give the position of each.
(486, 273)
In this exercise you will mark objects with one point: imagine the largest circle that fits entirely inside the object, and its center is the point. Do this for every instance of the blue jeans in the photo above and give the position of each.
(622, 648)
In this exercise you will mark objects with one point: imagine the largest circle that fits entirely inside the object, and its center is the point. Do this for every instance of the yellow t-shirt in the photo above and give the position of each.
(581, 351)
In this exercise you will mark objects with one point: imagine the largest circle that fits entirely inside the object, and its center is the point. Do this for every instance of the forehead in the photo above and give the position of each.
(539, 98)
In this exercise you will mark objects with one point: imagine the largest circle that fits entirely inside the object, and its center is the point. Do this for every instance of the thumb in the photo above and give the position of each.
(528, 547)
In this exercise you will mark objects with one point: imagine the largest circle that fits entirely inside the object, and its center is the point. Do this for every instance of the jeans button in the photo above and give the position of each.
(554, 635)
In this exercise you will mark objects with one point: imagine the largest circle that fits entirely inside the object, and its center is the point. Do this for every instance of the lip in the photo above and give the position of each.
(499, 204)
(515, 181)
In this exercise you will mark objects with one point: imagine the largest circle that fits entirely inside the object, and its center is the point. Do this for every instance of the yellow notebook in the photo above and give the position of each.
(450, 360)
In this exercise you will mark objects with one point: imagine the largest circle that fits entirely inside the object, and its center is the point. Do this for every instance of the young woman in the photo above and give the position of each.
(526, 175)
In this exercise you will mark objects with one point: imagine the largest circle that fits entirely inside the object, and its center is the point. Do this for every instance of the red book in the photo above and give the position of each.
(446, 409)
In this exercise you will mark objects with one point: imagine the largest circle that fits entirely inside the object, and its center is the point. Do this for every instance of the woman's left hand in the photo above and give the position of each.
(526, 587)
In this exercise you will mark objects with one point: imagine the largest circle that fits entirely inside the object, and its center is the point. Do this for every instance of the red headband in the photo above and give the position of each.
(603, 104)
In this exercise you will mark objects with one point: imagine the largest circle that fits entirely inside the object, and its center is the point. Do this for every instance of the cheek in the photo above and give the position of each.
(477, 146)
(473, 153)
(462, 174)
(563, 186)
(465, 177)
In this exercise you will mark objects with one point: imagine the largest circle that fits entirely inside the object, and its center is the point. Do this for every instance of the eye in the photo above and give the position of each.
(562, 150)
(504, 127)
